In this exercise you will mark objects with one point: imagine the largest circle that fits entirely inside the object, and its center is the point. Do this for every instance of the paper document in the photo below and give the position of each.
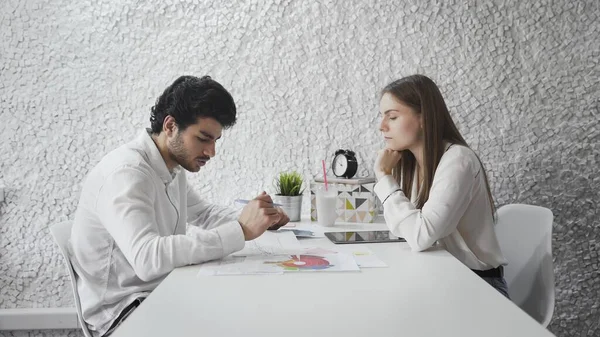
(271, 243)
(305, 230)
(364, 257)
(280, 251)
(237, 265)
(303, 261)
(303, 233)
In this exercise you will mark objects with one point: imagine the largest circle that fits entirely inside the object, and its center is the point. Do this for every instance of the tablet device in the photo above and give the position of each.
(363, 237)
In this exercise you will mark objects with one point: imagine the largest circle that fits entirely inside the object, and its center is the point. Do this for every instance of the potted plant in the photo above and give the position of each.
(289, 193)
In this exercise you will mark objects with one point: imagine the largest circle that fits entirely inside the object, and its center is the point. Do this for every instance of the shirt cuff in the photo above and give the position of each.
(385, 187)
(232, 237)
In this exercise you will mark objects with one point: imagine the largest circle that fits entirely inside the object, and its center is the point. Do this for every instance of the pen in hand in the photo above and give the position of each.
(244, 201)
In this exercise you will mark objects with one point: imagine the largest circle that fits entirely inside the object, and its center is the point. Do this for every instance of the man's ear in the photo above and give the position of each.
(169, 126)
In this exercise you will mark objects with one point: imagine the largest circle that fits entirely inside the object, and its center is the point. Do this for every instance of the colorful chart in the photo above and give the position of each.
(303, 262)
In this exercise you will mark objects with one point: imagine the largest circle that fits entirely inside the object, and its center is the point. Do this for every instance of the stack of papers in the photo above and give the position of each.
(271, 243)
(279, 252)
(303, 232)
(363, 256)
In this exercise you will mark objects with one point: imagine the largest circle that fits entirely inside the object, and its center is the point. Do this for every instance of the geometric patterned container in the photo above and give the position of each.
(355, 203)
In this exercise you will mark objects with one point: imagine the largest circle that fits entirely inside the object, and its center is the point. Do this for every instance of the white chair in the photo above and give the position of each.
(61, 232)
(525, 236)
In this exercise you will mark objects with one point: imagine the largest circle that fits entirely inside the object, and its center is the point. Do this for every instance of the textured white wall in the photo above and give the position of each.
(78, 79)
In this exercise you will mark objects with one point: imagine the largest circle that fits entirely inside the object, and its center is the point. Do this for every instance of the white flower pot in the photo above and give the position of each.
(291, 205)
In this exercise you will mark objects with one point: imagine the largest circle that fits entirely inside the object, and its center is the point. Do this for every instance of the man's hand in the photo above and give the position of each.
(258, 216)
(386, 160)
(282, 221)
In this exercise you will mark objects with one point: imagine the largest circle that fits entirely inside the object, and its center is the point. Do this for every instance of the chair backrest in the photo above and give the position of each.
(525, 236)
(61, 232)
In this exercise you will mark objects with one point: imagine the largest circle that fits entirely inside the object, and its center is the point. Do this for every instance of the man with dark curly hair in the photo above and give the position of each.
(129, 230)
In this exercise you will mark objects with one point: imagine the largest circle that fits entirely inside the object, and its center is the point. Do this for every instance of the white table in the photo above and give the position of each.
(420, 294)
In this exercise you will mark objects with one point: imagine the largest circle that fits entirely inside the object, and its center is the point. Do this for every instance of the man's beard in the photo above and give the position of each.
(178, 154)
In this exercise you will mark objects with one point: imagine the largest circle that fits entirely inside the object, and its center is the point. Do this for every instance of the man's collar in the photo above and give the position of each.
(155, 159)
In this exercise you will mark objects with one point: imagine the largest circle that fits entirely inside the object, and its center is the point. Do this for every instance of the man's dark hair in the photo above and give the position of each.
(190, 97)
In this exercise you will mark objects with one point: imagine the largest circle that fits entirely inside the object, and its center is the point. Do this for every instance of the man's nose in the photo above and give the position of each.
(210, 150)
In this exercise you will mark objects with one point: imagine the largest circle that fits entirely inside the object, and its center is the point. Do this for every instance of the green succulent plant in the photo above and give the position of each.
(289, 184)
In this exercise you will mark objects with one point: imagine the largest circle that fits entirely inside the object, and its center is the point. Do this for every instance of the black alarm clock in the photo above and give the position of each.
(344, 164)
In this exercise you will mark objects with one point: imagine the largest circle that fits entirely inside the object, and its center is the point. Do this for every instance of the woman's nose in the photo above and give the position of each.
(383, 126)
